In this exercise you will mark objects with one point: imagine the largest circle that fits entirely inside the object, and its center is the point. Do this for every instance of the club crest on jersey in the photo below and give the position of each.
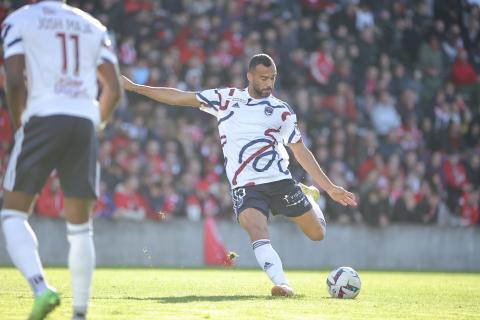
(268, 110)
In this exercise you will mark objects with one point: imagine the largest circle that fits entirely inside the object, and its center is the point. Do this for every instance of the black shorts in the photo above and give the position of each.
(282, 197)
(66, 143)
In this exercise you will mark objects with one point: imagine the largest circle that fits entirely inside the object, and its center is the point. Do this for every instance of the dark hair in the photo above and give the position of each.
(260, 58)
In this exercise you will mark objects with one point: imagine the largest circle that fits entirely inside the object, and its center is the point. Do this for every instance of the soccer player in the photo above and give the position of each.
(254, 128)
(61, 51)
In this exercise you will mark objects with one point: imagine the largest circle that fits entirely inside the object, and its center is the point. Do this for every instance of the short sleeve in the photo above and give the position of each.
(209, 100)
(289, 130)
(107, 53)
(12, 37)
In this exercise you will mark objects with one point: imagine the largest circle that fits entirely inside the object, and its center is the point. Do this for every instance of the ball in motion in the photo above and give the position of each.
(343, 283)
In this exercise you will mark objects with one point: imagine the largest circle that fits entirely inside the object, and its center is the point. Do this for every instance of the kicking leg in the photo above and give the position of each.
(312, 222)
(81, 257)
(255, 223)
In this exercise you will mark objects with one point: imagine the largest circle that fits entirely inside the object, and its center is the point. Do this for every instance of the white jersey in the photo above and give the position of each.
(253, 133)
(62, 46)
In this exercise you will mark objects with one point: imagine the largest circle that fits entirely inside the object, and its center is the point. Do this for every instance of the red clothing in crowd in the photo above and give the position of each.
(455, 174)
(463, 73)
(6, 130)
(50, 202)
(321, 67)
(318, 5)
(119, 141)
(132, 201)
(156, 162)
(469, 211)
(137, 5)
(342, 106)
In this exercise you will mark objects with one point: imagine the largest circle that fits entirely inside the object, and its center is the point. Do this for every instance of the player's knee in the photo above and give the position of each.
(317, 234)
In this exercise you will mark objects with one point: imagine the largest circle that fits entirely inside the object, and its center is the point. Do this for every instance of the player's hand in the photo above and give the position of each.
(342, 196)
(127, 83)
(100, 127)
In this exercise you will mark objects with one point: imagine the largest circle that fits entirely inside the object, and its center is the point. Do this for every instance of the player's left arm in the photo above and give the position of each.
(306, 159)
(15, 88)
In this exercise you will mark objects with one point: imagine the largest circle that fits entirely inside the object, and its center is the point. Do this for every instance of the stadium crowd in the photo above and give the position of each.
(386, 91)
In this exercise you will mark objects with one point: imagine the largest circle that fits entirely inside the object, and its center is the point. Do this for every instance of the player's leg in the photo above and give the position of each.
(312, 223)
(81, 256)
(22, 244)
(255, 223)
(30, 163)
(79, 178)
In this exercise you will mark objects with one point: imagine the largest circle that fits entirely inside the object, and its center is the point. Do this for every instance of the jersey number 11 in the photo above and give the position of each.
(64, 40)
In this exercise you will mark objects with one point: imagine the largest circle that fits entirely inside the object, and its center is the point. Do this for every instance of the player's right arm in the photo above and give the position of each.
(16, 90)
(170, 96)
(14, 55)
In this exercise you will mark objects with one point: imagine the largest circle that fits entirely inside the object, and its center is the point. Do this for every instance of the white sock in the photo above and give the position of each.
(81, 262)
(269, 261)
(22, 246)
(318, 213)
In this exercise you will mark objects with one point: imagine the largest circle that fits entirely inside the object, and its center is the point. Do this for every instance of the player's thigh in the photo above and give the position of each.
(287, 199)
(311, 225)
(255, 223)
(36, 149)
(251, 208)
(78, 168)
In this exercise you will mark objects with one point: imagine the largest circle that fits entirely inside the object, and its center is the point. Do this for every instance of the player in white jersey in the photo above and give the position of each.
(254, 129)
(62, 51)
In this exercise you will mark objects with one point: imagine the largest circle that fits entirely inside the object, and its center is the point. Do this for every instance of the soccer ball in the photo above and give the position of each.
(343, 283)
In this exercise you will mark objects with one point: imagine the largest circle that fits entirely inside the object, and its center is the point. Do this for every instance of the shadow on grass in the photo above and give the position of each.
(188, 299)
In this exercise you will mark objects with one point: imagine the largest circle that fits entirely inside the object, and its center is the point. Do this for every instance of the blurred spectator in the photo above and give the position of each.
(321, 64)
(405, 209)
(469, 207)
(129, 203)
(384, 116)
(105, 206)
(463, 73)
(50, 200)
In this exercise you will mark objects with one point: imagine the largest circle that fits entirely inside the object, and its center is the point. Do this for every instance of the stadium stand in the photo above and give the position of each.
(387, 94)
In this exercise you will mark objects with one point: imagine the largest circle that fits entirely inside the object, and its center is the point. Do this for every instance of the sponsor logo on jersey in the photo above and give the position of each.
(294, 198)
(235, 99)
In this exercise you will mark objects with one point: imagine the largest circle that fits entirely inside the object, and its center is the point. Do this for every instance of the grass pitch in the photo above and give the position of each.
(245, 294)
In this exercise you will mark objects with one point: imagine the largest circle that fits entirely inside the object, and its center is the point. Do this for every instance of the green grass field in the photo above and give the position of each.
(245, 294)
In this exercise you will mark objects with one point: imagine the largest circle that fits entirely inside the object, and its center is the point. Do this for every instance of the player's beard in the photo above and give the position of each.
(262, 93)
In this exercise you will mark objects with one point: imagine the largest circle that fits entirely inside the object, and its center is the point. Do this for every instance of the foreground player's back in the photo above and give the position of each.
(62, 47)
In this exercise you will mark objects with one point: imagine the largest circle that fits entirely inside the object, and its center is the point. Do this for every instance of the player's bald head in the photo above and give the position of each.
(260, 59)
(261, 75)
